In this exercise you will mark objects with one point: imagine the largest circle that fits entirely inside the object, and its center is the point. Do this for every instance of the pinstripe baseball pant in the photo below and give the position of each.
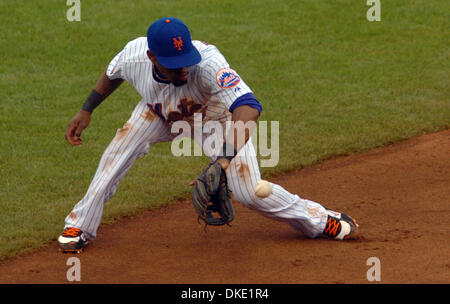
(144, 129)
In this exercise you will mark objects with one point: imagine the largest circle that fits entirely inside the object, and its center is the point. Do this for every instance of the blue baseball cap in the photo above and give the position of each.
(170, 40)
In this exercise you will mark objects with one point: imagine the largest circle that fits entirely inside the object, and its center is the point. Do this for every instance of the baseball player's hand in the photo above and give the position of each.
(224, 163)
(78, 123)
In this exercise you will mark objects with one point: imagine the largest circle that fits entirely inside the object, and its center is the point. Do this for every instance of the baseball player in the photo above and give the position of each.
(177, 79)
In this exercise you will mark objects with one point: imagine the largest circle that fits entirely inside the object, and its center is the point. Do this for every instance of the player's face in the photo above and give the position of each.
(176, 76)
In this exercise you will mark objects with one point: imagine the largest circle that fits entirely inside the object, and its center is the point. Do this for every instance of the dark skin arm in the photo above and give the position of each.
(243, 114)
(80, 121)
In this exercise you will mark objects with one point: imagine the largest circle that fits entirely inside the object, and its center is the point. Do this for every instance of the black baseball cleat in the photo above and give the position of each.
(72, 240)
(340, 226)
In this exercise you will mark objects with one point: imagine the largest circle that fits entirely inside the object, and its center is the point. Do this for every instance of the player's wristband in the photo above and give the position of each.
(226, 150)
(92, 101)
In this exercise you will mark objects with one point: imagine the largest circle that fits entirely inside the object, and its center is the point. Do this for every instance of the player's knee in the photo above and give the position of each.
(248, 198)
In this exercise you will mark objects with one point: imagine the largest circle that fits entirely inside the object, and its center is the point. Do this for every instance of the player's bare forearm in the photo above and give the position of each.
(102, 89)
(244, 119)
(106, 86)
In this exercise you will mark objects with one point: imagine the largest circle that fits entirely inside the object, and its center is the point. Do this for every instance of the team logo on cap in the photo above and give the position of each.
(178, 43)
(227, 78)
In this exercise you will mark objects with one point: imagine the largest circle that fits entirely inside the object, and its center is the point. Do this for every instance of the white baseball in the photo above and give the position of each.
(263, 188)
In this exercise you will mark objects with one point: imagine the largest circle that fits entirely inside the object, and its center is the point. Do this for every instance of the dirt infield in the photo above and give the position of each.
(399, 195)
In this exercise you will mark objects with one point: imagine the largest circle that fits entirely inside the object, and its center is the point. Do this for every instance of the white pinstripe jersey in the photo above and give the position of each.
(211, 88)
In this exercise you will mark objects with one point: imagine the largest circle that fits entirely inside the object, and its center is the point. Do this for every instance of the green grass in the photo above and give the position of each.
(337, 83)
